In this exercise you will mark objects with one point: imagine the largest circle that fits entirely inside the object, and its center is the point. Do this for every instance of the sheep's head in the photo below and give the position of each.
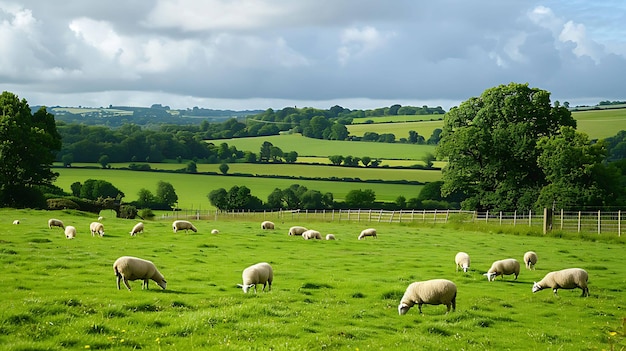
(536, 287)
(491, 276)
(403, 308)
(162, 283)
(245, 287)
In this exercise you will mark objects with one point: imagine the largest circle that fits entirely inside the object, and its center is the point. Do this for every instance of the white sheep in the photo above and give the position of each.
(215, 231)
(17, 221)
(297, 230)
(570, 278)
(53, 222)
(311, 234)
(180, 225)
(100, 219)
(260, 273)
(530, 259)
(96, 227)
(503, 267)
(267, 225)
(70, 232)
(429, 292)
(133, 268)
(137, 228)
(330, 237)
(368, 232)
(462, 260)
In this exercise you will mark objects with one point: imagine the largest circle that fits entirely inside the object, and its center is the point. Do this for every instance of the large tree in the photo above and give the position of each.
(28, 145)
(166, 194)
(490, 144)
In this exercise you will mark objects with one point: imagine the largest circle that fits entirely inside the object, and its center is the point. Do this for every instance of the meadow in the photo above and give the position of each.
(331, 295)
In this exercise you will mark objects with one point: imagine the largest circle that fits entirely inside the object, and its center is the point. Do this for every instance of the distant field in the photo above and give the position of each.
(398, 118)
(600, 124)
(192, 189)
(399, 129)
(78, 110)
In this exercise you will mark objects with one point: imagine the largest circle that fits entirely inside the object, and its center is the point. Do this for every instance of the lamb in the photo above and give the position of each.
(570, 278)
(138, 228)
(96, 227)
(430, 292)
(330, 237)
(52, 222)
(462, 260)
(133, 268)
(70, 232)
(368, 232)
(297, 230)
(530, 259)
(180, 225)
(17, 221)
(260, 273)
(100, 219)
(503, 267)
(215, 231)
(311, 234)
(267, 225)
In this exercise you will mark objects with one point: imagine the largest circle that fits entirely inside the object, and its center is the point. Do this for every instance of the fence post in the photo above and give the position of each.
(487, 216)
(514, 218)
(561, 219)
(619, 223)
(598, 222)
(579, 214)
(447, 215)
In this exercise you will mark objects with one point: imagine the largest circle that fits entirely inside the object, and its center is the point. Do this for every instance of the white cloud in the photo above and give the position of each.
(360, 41)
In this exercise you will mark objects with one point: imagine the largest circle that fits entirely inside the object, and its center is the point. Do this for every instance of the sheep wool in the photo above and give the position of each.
(215, 231)
(503, 267)
(265, 225)
(17, 221)
(368, 232)
(462, 260)
(297, 230)
(260, 273)
(530, 259)
(132, 268)
(570, 278)
(311, 234)
(429, 292)
(53, 222)
(70, 232)
(96, 228)
(330, 237)
(183, 225)
(138, 228)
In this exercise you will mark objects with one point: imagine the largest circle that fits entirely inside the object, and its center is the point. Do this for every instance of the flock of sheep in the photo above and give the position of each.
(429, 292)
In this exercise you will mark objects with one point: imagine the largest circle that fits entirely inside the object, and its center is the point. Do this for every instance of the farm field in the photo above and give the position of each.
(600, 124)
(399, 129)
(397, 118)
(192, 189)
(59, 294)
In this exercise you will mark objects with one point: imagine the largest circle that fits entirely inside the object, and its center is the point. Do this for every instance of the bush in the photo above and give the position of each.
(146, 213)
(61, 204)
(128, 211)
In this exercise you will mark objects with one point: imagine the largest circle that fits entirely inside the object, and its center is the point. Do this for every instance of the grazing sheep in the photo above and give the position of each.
(215, 231)
(96, 227)
(570, 278)
(267, 225)
(17, 221)
(530, 259)
(430, 292)
(503, 267)
(133, 268)
(330, 237)
(297, 230)
(368, 232)
(138, 228)
(260, 273)
(462, 260)
(100, 219)
(70, 232)
(52, 222)
(180, 225)
(311, 234)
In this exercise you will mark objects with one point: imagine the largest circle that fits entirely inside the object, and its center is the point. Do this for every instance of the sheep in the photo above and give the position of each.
(215, 231)
(297, 230)
(260, 273)
(311, 234)
(462, 260)
(100, 219)
(368, 232)
(180, 225)
(330, 237)
(133, 268)
(430, 292)
(70, 232)
(530, 259)
(96, 227)
(138, 228)
(267, 225)
(17, 221)
(503, 267)
(570, 278)
(52, 222)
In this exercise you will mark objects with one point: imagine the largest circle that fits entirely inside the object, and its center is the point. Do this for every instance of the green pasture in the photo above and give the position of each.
(327, 295)
(397, 118)
(600, 124)
(80, 110)
(399, 129)
(192, 189)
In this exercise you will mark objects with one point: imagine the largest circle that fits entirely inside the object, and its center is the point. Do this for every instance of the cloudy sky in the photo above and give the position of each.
(255, 54)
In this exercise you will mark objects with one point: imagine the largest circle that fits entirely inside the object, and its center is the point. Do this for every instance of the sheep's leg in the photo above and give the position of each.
(555, 291)
(126, 283)
(119, 277)
(419, 307)
(144, 285)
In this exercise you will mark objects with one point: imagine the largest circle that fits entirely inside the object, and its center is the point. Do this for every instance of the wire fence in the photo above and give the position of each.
(600, 222)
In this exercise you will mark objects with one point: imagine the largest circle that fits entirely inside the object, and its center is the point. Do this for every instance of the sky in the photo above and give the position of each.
(259, 54)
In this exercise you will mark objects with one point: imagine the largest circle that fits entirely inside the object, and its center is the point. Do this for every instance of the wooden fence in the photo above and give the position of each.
(600, 222)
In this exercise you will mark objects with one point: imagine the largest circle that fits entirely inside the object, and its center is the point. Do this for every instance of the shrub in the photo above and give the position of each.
(61, 204)
(146, 213)
(128, 211)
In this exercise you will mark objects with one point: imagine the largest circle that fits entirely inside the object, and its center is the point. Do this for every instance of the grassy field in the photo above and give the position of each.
(399, 129)
(398, 118)
(327, 295)
(600, 124)
(192, 189)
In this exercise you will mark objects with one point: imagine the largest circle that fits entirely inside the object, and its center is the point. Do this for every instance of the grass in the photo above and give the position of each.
(399, 129)
(397, 118)
(340, 295)
(600, 124)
